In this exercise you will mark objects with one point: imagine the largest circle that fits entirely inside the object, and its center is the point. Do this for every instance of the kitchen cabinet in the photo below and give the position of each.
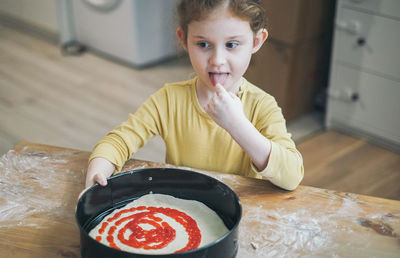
(364, 84)
(293, 64)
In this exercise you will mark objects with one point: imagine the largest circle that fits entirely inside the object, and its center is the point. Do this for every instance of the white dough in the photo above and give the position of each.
(210, 224)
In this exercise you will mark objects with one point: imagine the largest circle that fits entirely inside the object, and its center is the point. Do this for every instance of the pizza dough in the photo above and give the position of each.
(160, 224)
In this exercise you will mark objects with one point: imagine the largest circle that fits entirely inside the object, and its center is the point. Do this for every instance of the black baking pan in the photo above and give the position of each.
(98, 201)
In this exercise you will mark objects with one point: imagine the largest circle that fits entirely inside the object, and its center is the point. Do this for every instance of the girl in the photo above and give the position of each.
(218, 120)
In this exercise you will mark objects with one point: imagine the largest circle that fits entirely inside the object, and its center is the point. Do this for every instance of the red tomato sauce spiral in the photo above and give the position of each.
(158, 236)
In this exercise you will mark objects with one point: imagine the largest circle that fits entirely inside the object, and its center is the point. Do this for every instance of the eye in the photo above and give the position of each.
(232, 44)
(203, 44)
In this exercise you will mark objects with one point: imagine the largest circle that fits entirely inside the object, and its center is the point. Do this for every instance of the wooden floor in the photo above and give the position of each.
(73, 101)
(339, 162)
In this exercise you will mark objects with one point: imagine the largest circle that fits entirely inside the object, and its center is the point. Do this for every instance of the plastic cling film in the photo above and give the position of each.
(27, 188)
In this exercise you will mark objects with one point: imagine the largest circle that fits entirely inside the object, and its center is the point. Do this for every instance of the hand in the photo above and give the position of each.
(225, 108)
(99, 170)
(98, 178)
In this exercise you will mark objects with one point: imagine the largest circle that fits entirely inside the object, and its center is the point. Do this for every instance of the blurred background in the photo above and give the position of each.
(71, 70)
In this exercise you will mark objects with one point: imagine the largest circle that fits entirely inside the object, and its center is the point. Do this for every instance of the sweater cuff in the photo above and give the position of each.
(105, 154)
(269, 171)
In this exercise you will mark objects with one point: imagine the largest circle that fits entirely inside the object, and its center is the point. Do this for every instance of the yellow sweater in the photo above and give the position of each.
(194, 140)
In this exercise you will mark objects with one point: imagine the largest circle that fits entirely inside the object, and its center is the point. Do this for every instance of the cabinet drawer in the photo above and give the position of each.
(377, 110)
(372, 42)
(381, 7)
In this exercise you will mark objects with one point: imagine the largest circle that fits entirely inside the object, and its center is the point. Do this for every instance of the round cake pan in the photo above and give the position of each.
(98, 201)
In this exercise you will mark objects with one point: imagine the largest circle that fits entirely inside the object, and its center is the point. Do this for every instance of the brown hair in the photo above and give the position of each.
(195, 10)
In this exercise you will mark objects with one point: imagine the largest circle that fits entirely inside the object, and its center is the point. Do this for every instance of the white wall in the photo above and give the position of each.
(41, 13)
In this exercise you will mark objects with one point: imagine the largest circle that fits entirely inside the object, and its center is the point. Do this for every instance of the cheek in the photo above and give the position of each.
(242, 62)
(197, 59)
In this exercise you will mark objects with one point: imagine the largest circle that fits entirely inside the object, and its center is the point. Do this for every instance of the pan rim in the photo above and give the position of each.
(197, 250)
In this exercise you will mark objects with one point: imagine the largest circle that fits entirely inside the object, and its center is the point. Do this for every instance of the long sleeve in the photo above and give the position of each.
(285, 166)
(194, 140)
(123, 141)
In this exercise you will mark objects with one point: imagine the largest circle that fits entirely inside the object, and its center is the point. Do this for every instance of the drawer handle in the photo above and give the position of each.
(354, 96)
(361, 41)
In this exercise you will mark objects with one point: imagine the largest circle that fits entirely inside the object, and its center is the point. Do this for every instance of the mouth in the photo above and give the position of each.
(216, 78)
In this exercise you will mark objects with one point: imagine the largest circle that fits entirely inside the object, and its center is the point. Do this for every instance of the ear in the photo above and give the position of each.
(181, 36)
(259, 39)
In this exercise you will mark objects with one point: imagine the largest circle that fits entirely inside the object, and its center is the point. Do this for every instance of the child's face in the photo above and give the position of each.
(220, 47)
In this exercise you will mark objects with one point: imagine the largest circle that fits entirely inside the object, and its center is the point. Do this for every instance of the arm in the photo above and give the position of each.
(226, 110)
(273, 154)
(99, 170)
(252, 142)
(111, 152)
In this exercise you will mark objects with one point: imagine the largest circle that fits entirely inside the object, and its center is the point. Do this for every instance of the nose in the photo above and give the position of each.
(218, 57)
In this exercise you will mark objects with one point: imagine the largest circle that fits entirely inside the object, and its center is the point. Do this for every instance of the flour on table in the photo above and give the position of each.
(160, 224)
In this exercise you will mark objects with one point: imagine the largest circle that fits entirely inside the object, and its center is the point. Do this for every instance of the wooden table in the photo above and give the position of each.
(39, 187)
